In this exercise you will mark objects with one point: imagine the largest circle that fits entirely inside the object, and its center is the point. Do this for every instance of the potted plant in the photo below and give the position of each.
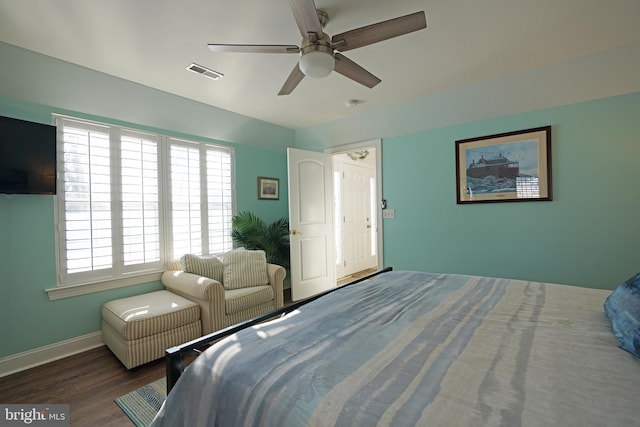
(252, 232)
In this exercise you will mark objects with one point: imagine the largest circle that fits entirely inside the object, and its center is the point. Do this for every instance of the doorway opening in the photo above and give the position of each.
(357, 197)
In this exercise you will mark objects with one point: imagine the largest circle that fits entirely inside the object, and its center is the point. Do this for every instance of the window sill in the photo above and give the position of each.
(89, 288)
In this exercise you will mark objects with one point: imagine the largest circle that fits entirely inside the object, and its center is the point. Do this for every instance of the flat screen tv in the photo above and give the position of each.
(27, 157)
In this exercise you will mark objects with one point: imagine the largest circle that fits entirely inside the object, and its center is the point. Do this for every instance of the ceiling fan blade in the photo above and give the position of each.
(378, 32)
(254, 48)
(292, 81)
(350, 69)
(306, 16)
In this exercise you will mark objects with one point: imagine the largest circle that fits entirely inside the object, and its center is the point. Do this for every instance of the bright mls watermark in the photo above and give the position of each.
(34, 415)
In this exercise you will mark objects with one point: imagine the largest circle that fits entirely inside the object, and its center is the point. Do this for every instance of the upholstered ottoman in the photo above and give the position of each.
(139, 329)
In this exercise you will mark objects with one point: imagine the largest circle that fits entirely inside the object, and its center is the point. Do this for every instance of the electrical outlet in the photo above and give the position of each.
(388, 213)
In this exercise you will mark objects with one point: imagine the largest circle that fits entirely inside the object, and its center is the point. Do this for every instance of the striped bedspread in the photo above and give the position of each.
(419, 349)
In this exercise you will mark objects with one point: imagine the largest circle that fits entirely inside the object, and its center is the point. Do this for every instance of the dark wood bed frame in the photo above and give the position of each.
(174, 356)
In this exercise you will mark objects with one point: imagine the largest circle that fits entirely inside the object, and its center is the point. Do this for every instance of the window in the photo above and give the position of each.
(200, 173)
(527, 187)
(129, 201)
(140, 199)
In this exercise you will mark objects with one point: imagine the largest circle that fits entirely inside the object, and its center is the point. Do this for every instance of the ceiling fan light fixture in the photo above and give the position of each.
(317, 64)
(321, 54)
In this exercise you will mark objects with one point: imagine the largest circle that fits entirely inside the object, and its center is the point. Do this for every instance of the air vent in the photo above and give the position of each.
(204, 71)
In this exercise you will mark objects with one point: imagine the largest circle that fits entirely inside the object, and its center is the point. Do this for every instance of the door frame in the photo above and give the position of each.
(377, 144)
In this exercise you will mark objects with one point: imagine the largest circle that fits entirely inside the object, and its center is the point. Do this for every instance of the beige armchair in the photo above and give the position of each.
(235, 289)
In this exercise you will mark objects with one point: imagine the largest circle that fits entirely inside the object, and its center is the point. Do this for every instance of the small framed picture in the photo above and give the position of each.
(268, 188)
(508, 167)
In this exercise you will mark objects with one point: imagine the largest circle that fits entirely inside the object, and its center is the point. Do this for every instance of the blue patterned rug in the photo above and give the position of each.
(144, 403)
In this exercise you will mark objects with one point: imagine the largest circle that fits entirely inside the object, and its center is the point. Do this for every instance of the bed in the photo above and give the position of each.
(413, 348)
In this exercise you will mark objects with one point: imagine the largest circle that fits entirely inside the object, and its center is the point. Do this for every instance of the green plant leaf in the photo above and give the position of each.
(252, 232)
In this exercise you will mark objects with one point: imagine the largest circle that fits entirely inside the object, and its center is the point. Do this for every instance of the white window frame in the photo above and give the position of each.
(120, 275)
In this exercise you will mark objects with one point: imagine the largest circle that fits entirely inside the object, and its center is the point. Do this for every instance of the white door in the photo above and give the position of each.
(358, 218)
(311, 223)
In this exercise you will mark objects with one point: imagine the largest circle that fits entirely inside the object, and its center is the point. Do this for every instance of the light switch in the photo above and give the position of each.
(388, 213)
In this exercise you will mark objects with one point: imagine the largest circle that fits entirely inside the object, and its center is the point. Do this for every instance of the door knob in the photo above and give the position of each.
(294, 232)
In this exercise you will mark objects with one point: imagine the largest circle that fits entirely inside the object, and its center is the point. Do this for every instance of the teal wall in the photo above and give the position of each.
(27, 267)
(252, 163)
(588, 235)
(28, 319)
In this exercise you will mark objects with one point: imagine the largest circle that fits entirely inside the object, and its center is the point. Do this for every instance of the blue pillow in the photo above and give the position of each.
(622, 307)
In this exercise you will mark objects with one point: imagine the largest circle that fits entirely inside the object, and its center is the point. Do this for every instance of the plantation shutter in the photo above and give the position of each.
(220, 200)
(185, 200)
(140, 198)
(202, 199)
(86, 237)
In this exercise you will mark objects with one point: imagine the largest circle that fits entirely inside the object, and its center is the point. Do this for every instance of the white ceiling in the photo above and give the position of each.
(150, 42)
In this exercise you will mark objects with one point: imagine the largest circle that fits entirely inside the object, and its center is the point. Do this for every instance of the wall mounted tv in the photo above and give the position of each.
(27, 157)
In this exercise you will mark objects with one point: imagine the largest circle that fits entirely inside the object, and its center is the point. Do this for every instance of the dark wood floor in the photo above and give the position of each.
(88, 382)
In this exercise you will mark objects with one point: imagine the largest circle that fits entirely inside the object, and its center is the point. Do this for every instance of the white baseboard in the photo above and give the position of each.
(39, 356)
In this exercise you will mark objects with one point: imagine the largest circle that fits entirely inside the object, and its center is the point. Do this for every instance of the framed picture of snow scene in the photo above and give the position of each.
(508, 167)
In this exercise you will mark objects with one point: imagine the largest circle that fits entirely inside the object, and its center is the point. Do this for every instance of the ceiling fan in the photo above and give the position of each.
(319, 54)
